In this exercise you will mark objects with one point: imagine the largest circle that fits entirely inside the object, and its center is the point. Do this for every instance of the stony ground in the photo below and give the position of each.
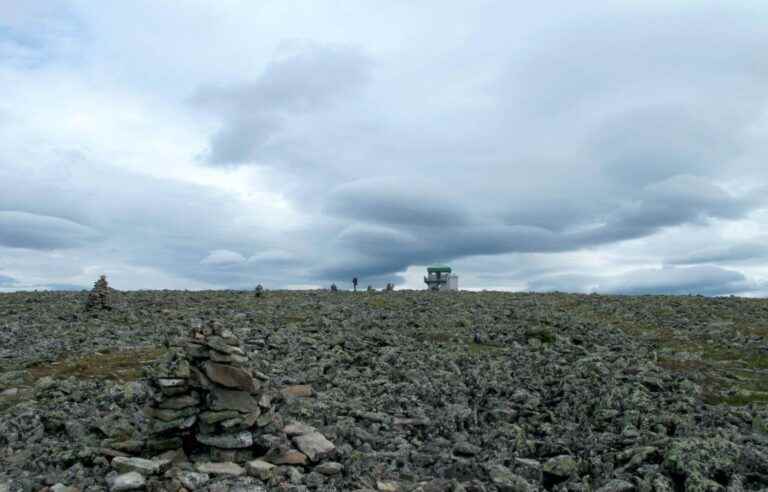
(418, 391)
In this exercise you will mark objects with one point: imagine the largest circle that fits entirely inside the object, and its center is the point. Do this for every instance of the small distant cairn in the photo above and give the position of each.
(258, 291)
(371, 289)
(390, 287)
(334, 288)
(100, 297)
(208, 401)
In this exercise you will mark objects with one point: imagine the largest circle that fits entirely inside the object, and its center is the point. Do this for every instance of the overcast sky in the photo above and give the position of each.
(590, 146)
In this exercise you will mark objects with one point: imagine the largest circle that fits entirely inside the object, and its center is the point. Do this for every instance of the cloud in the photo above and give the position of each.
(33, 231)
(223, 257)
(304, 77)
(396, 201)
(722, 254)
(6, 281)
(706, 280)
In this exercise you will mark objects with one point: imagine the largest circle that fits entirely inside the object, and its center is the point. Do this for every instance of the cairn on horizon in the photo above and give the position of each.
(258, 291)
(99, 297)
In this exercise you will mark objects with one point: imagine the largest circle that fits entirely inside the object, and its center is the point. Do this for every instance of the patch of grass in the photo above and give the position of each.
(119, 365)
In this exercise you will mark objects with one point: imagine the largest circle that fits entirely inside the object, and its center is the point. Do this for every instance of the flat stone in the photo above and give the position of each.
(197, 379)
(617, 485)
(128, 481)
(230, 469)
(298, 429)
(223, 399)
(171, 382)
(329, 468)
(221, 345)
(291, 457)
(229, 376)
(227, 441)
(60, 487)
(298, 391)
(178, 402)
(10, 392)
(215, 417)
(315, 446)
(159, 426)
(260, 469)
(140, 465)
(228, 358)
(168, 415)
(192, 480)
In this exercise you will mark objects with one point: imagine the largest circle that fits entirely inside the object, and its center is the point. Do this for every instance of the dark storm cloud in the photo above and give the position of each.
(705, 280)
(308, 78)
(32, 231)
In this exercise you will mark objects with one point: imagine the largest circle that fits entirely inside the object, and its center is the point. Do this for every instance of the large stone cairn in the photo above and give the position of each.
(99, 297)
(207, 400)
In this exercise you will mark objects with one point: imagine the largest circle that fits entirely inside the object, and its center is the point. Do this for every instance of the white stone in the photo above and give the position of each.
(191, 480)
(128, 481)
(298, 429)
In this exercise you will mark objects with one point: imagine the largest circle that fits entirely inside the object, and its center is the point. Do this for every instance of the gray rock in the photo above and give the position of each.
(192, 480)
(223, 399)
(238, 440)
(329, 468)
(617, 485)
(506, 481)
(260, 469)
(315, 446)
(140, 465)
(228, 469)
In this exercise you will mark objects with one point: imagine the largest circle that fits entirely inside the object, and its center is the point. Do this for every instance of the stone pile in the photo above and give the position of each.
(208, 401)
(390, 287)
(334, 288)
(258, 291)
(99, 297)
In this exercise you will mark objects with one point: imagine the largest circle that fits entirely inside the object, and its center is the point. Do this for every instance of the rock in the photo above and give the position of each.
(260, 469)
(227, 441)
(466, 449)
(242, 401)
(560, 466)
(60, 487)
(329, 468)
(387, 486)
(315, 446)
(192, 480)
(145, 467)
(291, 457)
(506, 481)
(230, 469)
(178, 402)
(617, 485)
(127, 481)
(298, 391)
(229, 376)
(297, 429)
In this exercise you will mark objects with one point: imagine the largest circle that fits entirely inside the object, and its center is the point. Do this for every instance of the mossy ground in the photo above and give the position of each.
(118, 365)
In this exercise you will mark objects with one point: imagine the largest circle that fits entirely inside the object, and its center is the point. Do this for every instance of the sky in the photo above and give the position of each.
(593, 146)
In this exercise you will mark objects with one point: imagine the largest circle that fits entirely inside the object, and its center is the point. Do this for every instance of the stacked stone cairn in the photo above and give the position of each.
(208, 402)
(390, 287)
(334, 288)
(258, 291)
(99, 298)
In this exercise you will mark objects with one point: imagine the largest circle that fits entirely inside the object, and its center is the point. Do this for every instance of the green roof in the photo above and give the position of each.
(439, 269)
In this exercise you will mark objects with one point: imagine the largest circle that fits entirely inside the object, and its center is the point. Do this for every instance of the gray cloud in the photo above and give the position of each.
(706, 280)
(27, 230)
(303, 78)
(723, 254)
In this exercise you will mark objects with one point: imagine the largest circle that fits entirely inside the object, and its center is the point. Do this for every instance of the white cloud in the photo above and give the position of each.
(223, 257)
